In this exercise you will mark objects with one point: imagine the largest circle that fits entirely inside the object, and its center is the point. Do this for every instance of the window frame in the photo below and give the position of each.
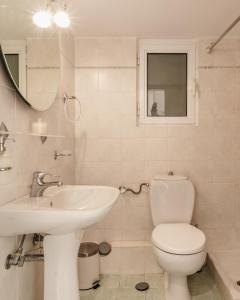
(166, 46)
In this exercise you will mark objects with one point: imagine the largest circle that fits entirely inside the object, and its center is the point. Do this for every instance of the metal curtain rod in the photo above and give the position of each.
(210, 48)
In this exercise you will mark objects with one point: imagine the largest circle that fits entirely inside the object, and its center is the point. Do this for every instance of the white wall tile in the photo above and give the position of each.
(86, 51)
(156, 149)
(86, 82)
(129, 80)
(110, 80)
(132, 260)
(129, 128)
(133, 149)
(105, 52)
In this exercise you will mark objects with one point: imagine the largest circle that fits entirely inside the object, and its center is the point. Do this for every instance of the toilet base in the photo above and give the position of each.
(177, 288)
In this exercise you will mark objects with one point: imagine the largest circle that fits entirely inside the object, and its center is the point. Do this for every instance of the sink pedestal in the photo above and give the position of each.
(60, 267)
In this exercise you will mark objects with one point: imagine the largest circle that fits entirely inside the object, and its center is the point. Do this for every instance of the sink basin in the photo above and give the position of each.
(61, 210)
(62, 213)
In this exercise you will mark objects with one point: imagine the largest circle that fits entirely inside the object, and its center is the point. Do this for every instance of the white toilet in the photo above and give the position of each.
(179, 247)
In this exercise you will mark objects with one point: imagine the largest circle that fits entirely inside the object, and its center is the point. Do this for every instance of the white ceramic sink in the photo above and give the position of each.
(61, 210)
(62, 213)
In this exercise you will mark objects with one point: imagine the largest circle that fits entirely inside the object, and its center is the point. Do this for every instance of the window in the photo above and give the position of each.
(166, 82)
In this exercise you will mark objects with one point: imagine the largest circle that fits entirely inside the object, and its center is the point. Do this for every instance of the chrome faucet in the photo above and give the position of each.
(39, 185)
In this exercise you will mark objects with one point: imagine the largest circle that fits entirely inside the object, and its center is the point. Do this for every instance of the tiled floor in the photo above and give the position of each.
(121, 287)
(202, 286)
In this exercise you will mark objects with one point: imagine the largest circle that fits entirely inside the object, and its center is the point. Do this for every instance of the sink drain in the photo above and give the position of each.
(142, 286)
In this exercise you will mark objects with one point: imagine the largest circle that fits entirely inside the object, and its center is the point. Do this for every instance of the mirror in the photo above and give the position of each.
(31, 55)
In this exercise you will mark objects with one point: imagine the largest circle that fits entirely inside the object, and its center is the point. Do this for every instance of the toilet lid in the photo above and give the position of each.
(178, 238)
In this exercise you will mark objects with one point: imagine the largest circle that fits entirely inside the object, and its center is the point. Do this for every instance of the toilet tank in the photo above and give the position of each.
(171, 199)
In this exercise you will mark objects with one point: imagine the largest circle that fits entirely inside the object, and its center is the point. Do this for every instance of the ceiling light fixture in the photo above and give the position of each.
(42, 18)
(61, 19)
(45, 18)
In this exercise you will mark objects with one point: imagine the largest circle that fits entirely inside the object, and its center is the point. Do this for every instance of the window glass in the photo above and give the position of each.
(167, 84)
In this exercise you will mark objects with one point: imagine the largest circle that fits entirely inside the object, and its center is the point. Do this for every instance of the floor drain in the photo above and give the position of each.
(238, 282)
(142, 286)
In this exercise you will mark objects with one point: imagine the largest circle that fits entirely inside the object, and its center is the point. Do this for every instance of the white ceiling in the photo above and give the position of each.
(140, 18)
(154, 18)
(16, 19)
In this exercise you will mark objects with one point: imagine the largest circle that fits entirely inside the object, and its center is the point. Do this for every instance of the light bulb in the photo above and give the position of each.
(42, 18)
(61, 19)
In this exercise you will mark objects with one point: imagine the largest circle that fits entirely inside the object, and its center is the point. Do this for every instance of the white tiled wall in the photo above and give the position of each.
(29, 155)
(111, 149)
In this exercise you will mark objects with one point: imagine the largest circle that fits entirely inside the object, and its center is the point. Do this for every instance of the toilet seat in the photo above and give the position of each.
(179, 238)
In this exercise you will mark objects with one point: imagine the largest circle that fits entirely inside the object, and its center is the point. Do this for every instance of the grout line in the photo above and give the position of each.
(105, 67)
(43, 68)
(218, 67)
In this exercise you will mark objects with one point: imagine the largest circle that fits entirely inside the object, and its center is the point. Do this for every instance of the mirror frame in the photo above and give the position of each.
(5, 64)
